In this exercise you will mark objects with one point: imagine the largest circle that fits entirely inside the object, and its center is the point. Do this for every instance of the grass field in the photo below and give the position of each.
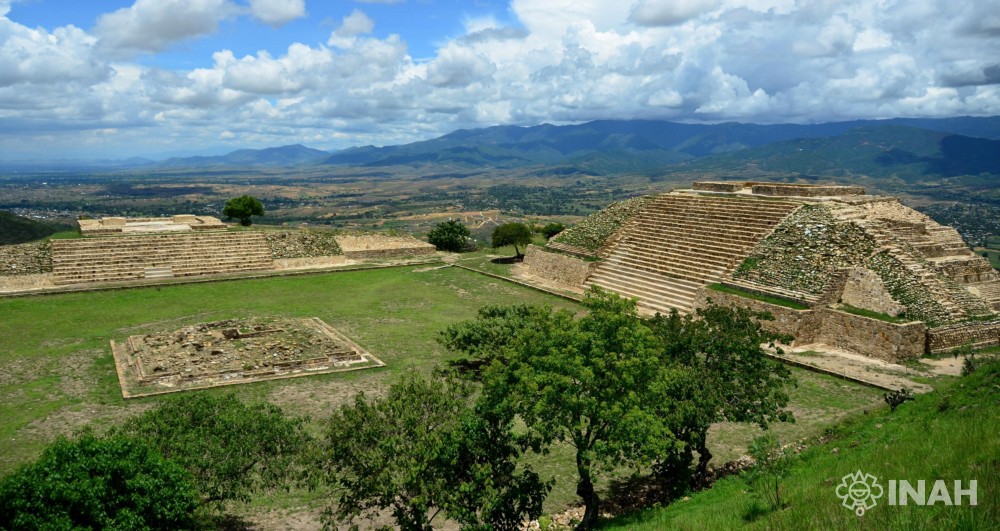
(950, 435)
(57, 375)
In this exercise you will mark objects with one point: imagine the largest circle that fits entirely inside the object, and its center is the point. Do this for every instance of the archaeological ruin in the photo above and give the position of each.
(234, 351)
(129, 249)
(834, 265)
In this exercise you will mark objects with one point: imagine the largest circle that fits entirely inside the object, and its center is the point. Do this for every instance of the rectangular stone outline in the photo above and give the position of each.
(120, 355)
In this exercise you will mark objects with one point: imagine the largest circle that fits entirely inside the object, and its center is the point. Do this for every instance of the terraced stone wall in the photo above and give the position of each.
(946, 338)
(558, 267)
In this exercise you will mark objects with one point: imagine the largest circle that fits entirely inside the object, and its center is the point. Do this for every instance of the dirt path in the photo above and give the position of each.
(870, 371)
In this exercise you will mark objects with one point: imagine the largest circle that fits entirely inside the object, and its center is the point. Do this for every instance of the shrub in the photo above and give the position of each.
(450, 236)
(91, 483)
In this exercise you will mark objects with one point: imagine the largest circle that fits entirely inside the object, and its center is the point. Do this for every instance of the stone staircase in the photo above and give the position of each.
(988, 291)
(124, 258)
(680, 243)
(958, 302)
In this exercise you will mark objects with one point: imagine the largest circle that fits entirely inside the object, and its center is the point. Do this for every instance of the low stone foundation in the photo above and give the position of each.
(556, 267)
(310, 262)
(882, 340)
(375, 247)
(719, 186)
(800, 190)
(945, 338)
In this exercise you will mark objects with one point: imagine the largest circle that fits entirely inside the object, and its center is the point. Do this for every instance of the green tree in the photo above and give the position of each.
(242, 208)
(450, 235)
(724, 349)
(511, 234)
(232, 449)
(588, 381)
(424, 448)
(92, 483)
(551, 229)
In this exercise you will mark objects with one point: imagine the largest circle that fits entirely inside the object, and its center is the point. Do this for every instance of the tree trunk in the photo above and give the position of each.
(704, 456)
(585, 490)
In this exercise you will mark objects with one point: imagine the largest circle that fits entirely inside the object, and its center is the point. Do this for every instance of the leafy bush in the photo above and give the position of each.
(91, 483)
(450, 236)
(550, 230)
(232, 449)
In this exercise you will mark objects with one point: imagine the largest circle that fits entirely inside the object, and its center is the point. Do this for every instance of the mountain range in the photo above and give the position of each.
(910, 149)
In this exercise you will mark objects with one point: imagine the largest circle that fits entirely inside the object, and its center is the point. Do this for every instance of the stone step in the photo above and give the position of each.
(655, 301)
(701, 275)
(158, 272)
(694, 262)
(647, 280)
(685, 246)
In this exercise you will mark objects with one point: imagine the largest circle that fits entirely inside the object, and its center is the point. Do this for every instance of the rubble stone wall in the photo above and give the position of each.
(556, 267)
(25, 259)
(945, 338)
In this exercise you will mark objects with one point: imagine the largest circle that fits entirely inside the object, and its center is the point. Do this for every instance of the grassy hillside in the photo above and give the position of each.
(17, 229)
(950, 434)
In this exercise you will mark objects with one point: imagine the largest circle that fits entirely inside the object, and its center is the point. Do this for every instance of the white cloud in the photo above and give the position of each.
(277, 12)
(353, 25)
(153, 25)
(562, 61)
(669, 12)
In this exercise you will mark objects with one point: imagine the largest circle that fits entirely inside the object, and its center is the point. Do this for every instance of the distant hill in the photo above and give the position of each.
(616, 146)
(883, 151)
(292, 155)
(17, 229)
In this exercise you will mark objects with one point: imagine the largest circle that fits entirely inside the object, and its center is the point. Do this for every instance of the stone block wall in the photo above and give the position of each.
(556, 267)
(945, 338)
(719, 186)
(786, 320)
(25, 259)
(799, 190)
(886, 341)
(370, 254)
(863, 288)
(871, 337)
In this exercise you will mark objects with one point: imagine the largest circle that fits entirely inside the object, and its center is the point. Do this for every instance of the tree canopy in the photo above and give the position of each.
(232, 449)
(551, 229)
(424, 448)
(586, 381)
(511, 234)
(620, 389)
(450, 235)
(242, 208)
(92, 483)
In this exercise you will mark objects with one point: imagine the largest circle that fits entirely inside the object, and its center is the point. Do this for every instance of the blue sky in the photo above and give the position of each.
(114, 79)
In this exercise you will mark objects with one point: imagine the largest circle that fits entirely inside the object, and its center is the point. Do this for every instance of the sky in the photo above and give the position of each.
(116, 79)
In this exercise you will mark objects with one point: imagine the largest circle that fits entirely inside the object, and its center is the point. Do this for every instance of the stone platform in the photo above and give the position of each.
(234, 351)
(178, 223)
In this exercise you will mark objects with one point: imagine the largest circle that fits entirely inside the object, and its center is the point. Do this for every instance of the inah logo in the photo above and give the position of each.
(859, 491)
